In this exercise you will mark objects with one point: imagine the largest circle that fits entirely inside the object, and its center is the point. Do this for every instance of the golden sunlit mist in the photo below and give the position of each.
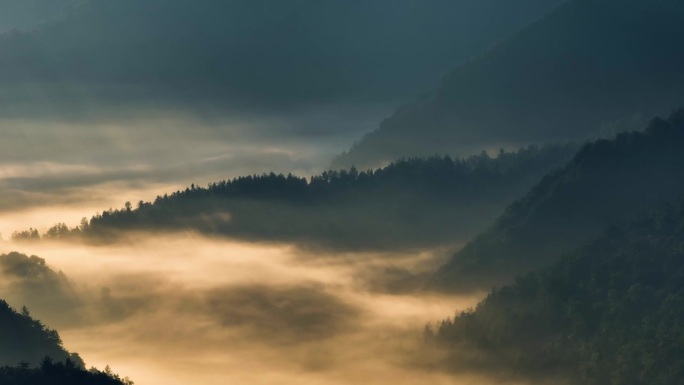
(181, 308)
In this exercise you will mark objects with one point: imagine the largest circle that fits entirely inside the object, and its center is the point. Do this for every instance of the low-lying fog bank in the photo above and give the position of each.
(183, 309)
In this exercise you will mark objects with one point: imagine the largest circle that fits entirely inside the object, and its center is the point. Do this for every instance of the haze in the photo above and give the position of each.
(185, 309)
(341, 192)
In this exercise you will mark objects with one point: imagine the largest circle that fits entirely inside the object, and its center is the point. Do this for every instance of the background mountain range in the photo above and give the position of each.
(589, 68)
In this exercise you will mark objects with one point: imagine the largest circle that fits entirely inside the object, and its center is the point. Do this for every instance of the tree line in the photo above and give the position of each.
(409, 203)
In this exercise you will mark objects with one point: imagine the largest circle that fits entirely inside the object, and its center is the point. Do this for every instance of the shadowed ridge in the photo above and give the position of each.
(589, 68)
(609, 313)
(607, 181)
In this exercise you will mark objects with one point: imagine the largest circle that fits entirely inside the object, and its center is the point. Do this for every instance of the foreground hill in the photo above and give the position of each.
(606, 182)
(589, 66)
(261, 53)
(32, 354)
(609, 314)
(410, 203)
(23, 338)
(57, 373)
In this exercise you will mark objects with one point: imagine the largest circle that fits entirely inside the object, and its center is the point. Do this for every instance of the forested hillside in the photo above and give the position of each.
(415, 202)
(589, 67)
(608, 314)
(57, 373)
(32, 354)
(606, 182)
(31, 14)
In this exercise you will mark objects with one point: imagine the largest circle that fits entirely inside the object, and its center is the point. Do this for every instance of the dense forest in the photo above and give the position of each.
(32, 354)
(589, 67)
(410, 203)
(25, 339)
(58, 373)
(607, 181)
(608, 314)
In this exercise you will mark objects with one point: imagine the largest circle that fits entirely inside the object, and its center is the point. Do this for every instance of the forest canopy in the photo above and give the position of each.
(607, 181)
(410, 203)
(607, 314)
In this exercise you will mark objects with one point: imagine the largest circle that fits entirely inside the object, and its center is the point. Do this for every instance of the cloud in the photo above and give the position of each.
(177, 309)
(90, 163)
(282, 313)
(28, 281)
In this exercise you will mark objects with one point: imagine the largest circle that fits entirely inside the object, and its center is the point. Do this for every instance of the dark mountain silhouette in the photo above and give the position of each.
(249, 53)
(32, 354)
(591, 66)
(410, 203)
(608, 314)
(24, 339)
(607, 181)
(58, 373)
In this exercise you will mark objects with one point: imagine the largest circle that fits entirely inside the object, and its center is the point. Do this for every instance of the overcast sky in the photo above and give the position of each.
(116, 99)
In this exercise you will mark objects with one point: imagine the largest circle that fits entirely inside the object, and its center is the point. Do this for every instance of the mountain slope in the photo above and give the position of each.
(606, 182)
(23, 338)
(39, 356)
(609, 314)
(587, 67)
(62, 373)
(411, 203)
(263, 53)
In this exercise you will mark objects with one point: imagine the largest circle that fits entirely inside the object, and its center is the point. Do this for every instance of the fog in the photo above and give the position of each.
(91, 163)
(184, 309)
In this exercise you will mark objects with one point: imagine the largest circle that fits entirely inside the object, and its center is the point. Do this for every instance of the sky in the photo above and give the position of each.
(103, 102)
(84, 167)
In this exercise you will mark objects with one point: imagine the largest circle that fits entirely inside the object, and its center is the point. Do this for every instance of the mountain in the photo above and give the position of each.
(24, 339)
(410, 203)
(247, 53)
(32, 354)
(588, 68)
(609, 314)
(608, 181)
(62, 373)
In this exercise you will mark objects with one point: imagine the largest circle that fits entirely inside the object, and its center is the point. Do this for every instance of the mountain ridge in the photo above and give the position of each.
(587, 67)
(607, 313)
(607, 182)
